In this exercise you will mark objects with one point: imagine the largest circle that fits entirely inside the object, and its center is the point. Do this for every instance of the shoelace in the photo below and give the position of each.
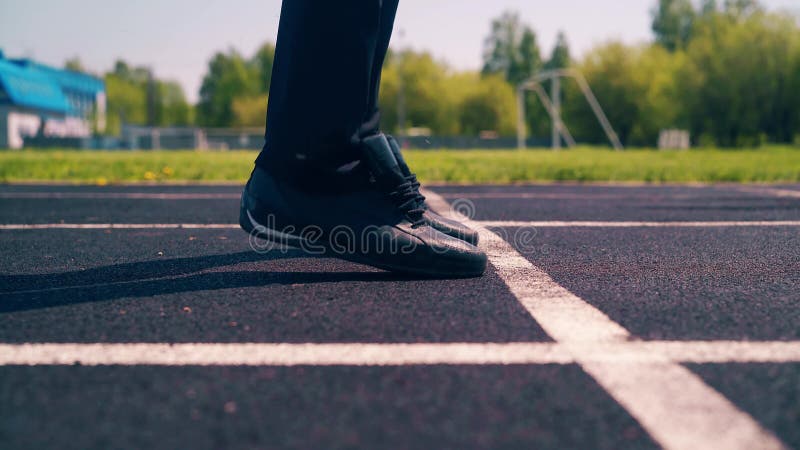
(407, 197)
(416, 185)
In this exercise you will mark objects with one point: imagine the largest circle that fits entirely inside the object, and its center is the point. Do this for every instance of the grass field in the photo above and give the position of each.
(769, 164)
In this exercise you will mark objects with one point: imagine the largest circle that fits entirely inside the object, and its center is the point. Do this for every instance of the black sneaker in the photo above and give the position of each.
(447, 226)
(368, 214)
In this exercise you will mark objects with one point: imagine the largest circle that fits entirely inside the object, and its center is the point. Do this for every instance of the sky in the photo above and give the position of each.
(176, 38)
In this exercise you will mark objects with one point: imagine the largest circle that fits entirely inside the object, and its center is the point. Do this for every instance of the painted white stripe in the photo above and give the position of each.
(139, 184)
(674, 405)
(282, 354)
(119, 195)
(678, 409)
(629, 192)
(705, 352)
(120, 226)
(358, 354)
(636, 224)
(541, 195)
(486, 223)
(213, 196)
(774, 192)
(699, 352)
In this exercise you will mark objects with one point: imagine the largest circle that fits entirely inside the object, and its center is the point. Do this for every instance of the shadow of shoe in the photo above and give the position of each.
(151, 278)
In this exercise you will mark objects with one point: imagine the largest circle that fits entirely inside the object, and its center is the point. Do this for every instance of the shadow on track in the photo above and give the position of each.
(151, 278)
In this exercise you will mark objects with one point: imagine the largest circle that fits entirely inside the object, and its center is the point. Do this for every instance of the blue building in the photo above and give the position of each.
(43, 102)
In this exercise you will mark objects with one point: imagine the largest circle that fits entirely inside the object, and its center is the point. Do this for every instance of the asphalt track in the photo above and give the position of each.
(617, 317)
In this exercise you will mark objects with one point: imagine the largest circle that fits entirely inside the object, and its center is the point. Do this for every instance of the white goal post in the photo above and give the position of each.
(553, 107)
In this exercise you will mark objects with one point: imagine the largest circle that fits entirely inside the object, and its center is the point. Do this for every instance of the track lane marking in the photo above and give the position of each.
(671, 403)
(119, 195)
(718, 352)
(120, 226)
(674, 405)
(565, 196)
(366, 354)
(638, 224)
(282, 354)
(769, 191)
(485, 223)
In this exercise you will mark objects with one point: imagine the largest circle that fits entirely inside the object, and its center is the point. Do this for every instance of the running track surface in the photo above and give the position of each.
(610, 317)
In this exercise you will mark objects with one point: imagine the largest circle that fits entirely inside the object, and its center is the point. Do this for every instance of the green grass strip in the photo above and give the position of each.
(585, 164)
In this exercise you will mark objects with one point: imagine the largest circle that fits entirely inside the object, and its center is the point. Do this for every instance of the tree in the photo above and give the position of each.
(530, 60)
(136, 97)
(538, 119)
(511, 49)
(560, 56)
(127, 103)
(234, 88)
(738, 79)
(229, 77)
(655, 77)
(135, 75)
(172, 108)
(708, 7)
(742, 8)
(426, 90)
(635, 86)
(74, 64)
(673, 21)
(609, 70)
(263, 61)
(491, 106)
(250, 111)
(447, 103)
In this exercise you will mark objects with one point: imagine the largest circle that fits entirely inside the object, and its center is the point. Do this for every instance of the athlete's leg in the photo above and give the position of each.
(320, 91)
(323, 115)
(371, 123)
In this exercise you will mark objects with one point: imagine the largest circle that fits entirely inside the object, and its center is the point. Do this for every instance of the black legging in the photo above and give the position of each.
(324, 93)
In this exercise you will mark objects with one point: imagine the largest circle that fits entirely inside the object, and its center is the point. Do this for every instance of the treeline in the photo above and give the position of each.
(234, 89)
(423, 92)
(729, 72)
(233, 94)
(136, 97)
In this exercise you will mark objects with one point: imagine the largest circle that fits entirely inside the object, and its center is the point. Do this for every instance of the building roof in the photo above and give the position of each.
(36, 85)
(67, 79)
(26, 87)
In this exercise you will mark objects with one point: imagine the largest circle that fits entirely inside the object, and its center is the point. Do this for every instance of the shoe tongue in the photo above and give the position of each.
(380, 160)
(398, 155)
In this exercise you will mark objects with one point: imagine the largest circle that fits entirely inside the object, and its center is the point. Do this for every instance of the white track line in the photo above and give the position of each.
(636, 224)
(282, 354)
(628, 194)
(705, 352)
(119, 195)
(358, 354)
(487, 223)
(120, 226)
(634, 195)
(673, 404)
(537, 195)
(771, 191)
